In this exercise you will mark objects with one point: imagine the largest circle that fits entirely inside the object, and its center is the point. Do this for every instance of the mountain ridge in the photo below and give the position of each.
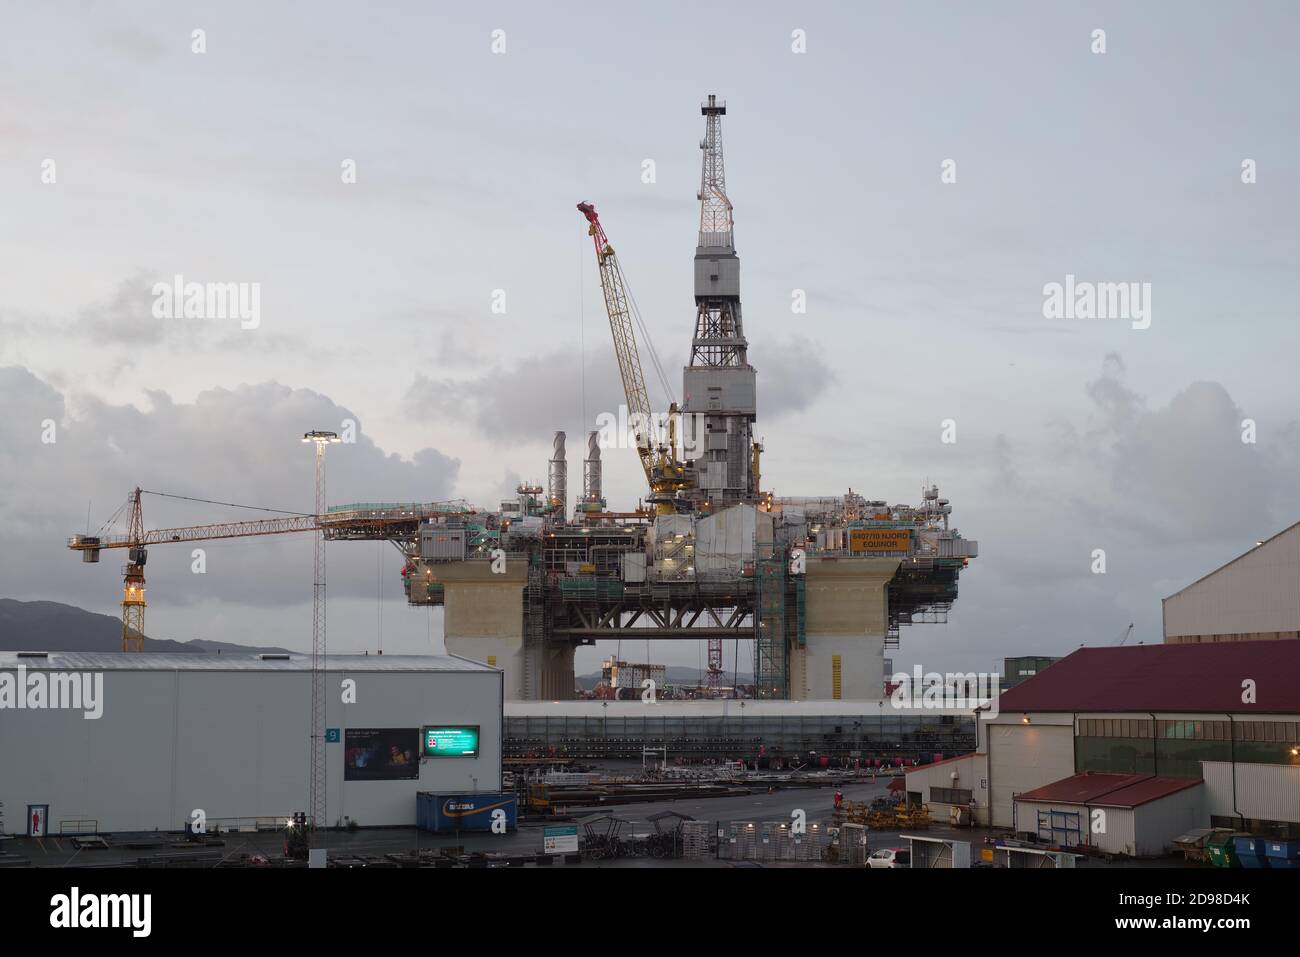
(55, 626)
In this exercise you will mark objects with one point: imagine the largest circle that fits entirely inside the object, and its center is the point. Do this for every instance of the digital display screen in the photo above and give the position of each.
(450, 741)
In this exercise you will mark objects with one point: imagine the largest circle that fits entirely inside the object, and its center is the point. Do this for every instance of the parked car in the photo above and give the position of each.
(890, 857)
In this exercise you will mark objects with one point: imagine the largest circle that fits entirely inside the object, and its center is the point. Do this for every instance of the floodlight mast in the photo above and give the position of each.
(317, 789)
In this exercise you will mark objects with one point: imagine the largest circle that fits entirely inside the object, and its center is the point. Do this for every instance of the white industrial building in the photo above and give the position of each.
(1203, 730)
(1135, 815)
(956, 789)
(1163, 738)
(1252, 597)
(142, 741)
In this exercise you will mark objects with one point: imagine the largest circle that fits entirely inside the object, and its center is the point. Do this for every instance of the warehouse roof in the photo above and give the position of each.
(98, 661)
(1179, 678)
(1102, 789)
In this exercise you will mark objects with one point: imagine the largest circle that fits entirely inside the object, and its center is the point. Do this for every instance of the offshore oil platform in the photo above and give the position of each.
(821, 585)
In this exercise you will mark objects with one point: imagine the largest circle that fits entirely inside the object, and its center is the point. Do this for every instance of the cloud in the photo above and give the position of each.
(123, 321)
(525, 401)
(1187, 464)
(1166, 488)
(1006, 478)
(791, 376)
(1181, 472)
(125, 318)
(136, 45)
(1176, 474)
(541, 393)
(1118, 406)
(509, 486)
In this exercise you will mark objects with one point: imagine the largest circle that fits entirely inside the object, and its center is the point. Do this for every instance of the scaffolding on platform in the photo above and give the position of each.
(770, 627)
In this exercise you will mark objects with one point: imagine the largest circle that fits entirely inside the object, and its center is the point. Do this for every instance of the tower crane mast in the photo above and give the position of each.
(133, 603)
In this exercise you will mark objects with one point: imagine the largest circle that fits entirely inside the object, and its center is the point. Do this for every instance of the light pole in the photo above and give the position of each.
(316, 794)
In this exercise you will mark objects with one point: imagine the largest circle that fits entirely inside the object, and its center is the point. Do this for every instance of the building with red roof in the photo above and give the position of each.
(1156, 734)
(1183, 678)
(1136, 815)
(1101, 789)
(1225, 713)
(1204, 727)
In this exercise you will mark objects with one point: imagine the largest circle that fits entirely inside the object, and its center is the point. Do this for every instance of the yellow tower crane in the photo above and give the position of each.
(384, 523)
(137, 540)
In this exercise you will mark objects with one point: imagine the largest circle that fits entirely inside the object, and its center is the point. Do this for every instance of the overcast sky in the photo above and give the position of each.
(925, 299)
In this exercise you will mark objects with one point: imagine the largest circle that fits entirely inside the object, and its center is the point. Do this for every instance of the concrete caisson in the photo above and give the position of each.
(848, 617)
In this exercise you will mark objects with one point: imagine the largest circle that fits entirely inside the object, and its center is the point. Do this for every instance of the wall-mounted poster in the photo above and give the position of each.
(381, 754)
(37, 824)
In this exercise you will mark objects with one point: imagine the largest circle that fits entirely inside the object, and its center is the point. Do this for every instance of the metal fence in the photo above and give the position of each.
(836, 736)
(772, 842)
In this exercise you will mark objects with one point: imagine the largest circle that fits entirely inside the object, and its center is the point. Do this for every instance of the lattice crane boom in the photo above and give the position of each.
(360, 524)
(197, 533)
(664, 473)
(614, 288)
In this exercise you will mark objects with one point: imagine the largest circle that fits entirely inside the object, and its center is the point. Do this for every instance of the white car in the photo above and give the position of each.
(890, 857)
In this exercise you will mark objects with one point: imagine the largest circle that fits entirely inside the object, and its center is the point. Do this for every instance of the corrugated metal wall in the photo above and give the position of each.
(1118, 836)
(1160, 823)
(1255, 594)
(236, 744)
(1023, 757)
(1266, 792)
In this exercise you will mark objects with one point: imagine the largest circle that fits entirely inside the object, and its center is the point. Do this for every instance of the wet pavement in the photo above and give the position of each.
(759, 806)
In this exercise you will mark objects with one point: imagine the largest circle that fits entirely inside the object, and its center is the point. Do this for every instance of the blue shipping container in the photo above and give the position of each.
(1283, 854)
(1250, 851)
(443, 813)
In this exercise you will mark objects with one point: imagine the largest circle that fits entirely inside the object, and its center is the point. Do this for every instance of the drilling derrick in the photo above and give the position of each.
(719, 402)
